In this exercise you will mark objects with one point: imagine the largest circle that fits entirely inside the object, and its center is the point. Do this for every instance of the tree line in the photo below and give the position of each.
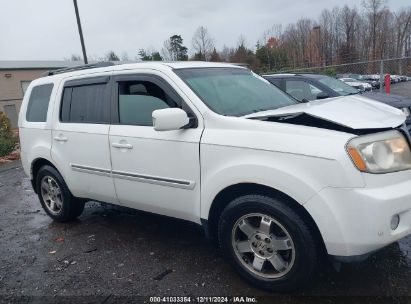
(339, 35)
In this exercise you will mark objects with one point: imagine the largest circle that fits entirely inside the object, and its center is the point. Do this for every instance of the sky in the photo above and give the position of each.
(47, 29)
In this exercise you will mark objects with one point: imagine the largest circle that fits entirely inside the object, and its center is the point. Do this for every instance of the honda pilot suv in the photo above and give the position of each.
(276, 182)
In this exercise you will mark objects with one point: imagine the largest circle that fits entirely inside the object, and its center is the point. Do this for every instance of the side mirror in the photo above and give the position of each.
(169, 119)
(322, 95)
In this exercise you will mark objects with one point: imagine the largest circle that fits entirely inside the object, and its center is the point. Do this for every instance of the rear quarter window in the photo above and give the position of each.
(39, 103)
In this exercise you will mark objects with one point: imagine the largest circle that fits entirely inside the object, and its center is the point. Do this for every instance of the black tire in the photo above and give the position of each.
(306, 252)
(71, 207)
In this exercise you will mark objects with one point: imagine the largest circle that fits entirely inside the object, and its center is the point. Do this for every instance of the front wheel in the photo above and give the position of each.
(268, 242)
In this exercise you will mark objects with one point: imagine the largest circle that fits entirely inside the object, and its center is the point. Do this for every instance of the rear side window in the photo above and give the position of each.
(85, 104)
(39, 103)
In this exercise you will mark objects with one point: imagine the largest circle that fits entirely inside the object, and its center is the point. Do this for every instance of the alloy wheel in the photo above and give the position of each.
(263, 246)
(51, 194)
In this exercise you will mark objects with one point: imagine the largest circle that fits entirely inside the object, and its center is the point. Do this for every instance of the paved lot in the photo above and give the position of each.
(402, 89)
(112, 251)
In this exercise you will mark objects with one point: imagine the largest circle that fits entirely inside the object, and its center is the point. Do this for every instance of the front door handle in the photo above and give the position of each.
(61, 138)
(122, 146)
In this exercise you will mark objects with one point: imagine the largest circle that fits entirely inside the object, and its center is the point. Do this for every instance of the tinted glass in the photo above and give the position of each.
(338, 86)
(278, 82)
(39, 103)
(300, 90)
(85, 104)
(137, 101)
(234, 91)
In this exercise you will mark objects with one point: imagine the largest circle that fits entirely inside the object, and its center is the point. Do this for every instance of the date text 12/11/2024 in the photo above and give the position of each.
(234, 299)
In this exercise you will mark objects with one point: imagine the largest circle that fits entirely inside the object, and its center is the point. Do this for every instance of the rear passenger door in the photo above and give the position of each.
(80, 138)
(152, 170)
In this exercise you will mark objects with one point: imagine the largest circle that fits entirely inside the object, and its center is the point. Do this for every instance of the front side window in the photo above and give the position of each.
(138, 99)
(338, 86)
(85, 104)
(234, 91)
(297, 89)
(39, 103)
(301, 89)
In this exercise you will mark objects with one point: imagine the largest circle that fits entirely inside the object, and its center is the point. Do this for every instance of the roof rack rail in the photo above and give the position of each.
(79, 68)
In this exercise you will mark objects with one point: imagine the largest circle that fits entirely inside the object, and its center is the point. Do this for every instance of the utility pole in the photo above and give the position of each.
(83, 47)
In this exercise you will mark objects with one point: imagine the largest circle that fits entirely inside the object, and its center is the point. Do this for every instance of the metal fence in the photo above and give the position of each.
(373, 69)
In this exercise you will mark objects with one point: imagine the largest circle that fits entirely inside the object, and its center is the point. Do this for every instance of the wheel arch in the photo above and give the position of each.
(228, 194)
(36, 164)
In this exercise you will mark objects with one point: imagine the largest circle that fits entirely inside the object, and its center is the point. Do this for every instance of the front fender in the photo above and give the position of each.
(298, 176)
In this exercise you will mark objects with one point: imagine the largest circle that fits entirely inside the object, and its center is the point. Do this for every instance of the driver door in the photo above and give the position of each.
(155, 171)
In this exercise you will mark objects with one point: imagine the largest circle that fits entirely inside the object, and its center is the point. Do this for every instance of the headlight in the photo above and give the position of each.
(406, 111)
(380, 153)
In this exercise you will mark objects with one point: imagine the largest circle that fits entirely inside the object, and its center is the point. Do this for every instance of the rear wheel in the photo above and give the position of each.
(55, 197)
(268, 243)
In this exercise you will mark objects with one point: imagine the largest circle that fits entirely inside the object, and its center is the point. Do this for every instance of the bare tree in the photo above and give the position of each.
(226, 53)
(167, 51)
(340, 35)
(111, 56)
(347, 24)
(403, 27)
(202, 43)
(124, 56)
(75, 57)
(374, 12)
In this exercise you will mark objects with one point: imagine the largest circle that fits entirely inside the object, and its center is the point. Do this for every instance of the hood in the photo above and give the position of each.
(354, 112)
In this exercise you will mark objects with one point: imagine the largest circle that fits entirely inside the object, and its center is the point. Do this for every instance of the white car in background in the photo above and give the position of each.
(395, 78)
(276, 182)
(359, 85)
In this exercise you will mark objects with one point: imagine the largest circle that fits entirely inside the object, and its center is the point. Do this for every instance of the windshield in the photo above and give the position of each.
(338, 86)
(234, 91)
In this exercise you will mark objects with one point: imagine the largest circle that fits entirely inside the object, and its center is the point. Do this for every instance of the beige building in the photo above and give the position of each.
(15, 76)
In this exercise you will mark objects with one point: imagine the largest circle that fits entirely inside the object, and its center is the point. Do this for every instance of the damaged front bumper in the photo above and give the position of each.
(358, 221)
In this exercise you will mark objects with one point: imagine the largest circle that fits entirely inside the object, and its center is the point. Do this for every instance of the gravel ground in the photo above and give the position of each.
(111, 251)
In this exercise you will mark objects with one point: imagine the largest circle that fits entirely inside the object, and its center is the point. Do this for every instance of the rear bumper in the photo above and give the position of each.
(357, 221)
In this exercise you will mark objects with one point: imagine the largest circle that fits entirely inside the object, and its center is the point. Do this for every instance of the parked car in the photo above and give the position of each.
(359, 85)
(314, 86)
(395, 79)
(278, 183)
(373, 80)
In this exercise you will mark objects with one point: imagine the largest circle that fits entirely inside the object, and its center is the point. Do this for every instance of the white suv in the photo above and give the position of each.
(278, 183)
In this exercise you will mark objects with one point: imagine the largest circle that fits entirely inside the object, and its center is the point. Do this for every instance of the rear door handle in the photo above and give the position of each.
(122, 146)
(61, 138)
